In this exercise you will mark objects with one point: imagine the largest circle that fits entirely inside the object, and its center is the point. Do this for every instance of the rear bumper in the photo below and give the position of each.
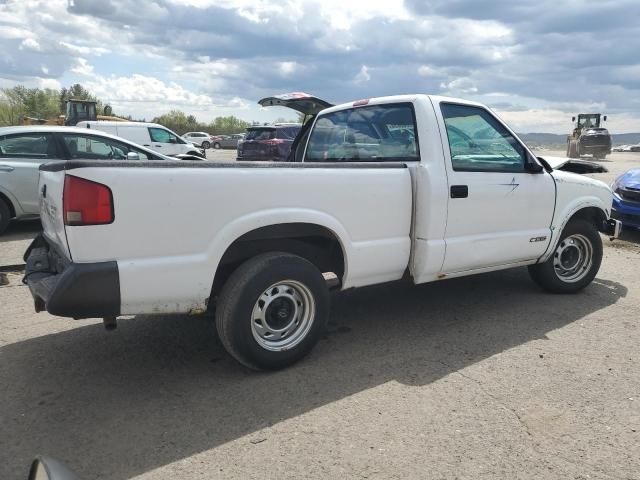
(66, 289)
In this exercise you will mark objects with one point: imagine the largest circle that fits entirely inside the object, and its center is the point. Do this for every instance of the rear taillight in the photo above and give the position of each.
(86, 202)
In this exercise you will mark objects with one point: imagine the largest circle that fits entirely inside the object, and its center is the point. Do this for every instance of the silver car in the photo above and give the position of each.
(228, 141)
(24, 149)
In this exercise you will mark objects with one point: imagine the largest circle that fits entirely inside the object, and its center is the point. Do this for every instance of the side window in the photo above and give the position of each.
(480, 143)
(98, 148)
(160, 135)
(28, 146)
(375, 133)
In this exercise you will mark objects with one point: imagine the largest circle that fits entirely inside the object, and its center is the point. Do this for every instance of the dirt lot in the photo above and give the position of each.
(479, 377)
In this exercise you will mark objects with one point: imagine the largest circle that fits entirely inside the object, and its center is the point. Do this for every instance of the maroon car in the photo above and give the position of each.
(268, 143)
(274, 142)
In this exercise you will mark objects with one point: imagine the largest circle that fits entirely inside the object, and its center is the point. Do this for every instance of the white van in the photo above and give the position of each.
(150, 135)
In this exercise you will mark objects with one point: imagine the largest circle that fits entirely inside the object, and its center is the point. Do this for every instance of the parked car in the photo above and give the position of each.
(365, 204)
(199, 139)
(228, 141)
(268, 142)
(24, 149)
(626, 198)
(150, 135)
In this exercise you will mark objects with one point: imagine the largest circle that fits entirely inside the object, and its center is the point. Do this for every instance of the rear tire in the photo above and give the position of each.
(205, 145)
(5, 216)
(272, 311)
(575, 260)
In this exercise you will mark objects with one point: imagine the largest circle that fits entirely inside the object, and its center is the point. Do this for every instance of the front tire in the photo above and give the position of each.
(205, 145)
(575, 261)
(272, 311)
(217, 146)
(572, 149)
(5, 216)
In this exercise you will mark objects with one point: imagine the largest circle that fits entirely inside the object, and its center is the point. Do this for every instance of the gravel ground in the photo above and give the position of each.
(477, 377)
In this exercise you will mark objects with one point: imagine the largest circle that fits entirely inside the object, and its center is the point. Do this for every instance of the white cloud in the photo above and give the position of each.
(459, 86)
(287, 68)
(363, 75)
(85, 50)
(49, 83)
(30, 44)
(82, 67)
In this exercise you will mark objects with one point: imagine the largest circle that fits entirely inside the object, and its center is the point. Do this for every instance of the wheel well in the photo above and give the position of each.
(12, 209)
(317, 244)
(594, 215)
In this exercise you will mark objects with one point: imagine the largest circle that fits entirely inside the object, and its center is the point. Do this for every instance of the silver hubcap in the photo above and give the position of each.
(283, 315)
(573, 258)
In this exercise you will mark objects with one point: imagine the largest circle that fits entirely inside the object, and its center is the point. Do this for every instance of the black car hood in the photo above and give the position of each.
(302, 102)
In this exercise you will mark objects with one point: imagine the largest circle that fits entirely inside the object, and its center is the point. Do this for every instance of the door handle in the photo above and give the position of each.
(459, 191)
(6, 168)
(146, 145)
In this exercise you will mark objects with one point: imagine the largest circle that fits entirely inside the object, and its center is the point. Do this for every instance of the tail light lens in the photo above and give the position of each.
(86, 202)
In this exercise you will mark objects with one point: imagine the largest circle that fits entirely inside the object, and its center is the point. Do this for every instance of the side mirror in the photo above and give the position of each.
(573, 119)
(133, 156)
(173, 140)
(604, 118)
(46, 468)
(533, 167)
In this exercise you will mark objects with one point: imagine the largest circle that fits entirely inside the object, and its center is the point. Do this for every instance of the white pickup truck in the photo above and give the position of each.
(413, 186)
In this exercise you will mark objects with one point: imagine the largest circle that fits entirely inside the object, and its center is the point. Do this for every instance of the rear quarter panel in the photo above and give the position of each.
(172, 225)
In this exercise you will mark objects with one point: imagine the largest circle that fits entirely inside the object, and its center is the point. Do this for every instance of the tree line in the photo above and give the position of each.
(19, 102)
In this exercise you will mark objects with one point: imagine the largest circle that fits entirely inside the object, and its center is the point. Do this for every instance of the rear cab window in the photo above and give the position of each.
(373, 133)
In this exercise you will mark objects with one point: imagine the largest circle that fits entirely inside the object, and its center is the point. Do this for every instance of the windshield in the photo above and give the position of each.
(589, 121)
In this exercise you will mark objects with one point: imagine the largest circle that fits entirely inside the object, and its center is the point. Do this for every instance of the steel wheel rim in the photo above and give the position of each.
(573, 258)
(283, 315)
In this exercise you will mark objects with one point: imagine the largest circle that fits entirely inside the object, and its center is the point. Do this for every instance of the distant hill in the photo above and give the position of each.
(560, 141)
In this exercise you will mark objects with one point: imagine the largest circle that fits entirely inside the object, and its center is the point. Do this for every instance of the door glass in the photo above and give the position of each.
(160, 135)
(375, 133)
(98, 148)
(30, 145)
(479, 142)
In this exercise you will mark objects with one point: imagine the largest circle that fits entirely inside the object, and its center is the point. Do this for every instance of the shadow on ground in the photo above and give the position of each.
(21, 230)
(630, 235)
(160, 389)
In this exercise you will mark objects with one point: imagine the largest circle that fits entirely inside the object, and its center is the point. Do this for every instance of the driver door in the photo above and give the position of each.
(499, 211)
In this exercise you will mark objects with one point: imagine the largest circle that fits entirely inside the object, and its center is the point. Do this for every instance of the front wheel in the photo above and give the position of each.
(205, 145)
(217, 146)
(5, 216)
(575, 261)
(272, 311)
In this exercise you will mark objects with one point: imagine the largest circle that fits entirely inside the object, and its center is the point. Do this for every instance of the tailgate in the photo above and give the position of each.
(50, 189)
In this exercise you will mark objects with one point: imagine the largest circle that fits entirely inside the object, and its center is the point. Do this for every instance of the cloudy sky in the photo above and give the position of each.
(536, 62)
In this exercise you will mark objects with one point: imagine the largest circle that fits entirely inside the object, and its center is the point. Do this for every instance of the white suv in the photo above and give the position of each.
(200, 139)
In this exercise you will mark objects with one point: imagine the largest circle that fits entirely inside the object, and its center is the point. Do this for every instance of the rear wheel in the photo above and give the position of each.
(205, 145)
(272, 310)
(575, 261)
(5, 216)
